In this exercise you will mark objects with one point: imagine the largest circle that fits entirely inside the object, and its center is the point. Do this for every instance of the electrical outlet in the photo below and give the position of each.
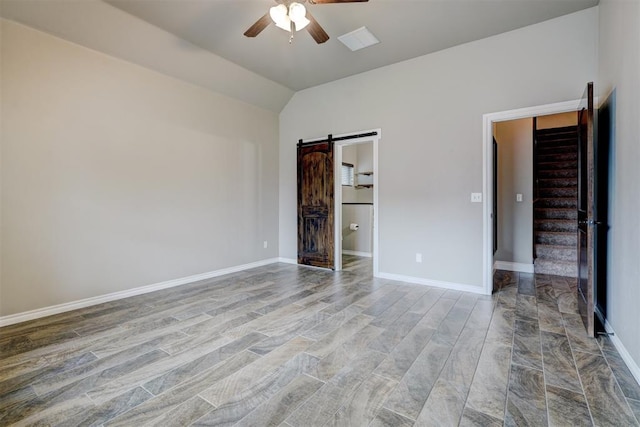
(518, 197)
(476, 197)
(265, 244)
(418, 257)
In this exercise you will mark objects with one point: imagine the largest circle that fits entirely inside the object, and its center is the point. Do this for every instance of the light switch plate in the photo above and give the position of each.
(476, 197)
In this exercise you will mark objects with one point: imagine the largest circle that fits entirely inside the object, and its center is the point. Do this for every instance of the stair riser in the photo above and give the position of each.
(569, 203)
(557, 165)
(556, 214)
(556, 268)
(558, 141)
(558, 183)
(557, 253)
(557, 239)
(568, 132)
(558, 192)
(558, 173)
(558, 225)
(544, 158)
(552, 149)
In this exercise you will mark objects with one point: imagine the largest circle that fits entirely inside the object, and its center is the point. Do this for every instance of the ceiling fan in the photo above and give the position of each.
(292, 16)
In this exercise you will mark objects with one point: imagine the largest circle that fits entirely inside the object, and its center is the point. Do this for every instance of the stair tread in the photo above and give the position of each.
(569, 148)
(557, 233)
(571, 128)
(549, 261)
(559, 162)
(559, 142)
(548, 246)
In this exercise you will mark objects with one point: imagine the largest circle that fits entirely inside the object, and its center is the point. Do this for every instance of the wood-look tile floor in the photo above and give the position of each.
(293, 346)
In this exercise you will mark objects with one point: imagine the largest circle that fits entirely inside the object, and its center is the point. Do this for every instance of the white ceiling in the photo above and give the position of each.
(202, 41)
(406, 29)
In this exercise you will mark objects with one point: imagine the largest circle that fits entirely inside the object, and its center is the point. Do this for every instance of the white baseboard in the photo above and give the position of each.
(434, 283)
(288, 260)
(74, 305)
(631, 364)
(520, 267)
(357, 253)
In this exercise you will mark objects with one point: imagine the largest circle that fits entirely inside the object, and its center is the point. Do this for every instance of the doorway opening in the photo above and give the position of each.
(489, 120)
(535, 213)
(356, 201)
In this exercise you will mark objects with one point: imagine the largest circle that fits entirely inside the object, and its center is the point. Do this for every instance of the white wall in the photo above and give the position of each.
(115, 176)
(619, 59)
(430, 157)
(515, 175)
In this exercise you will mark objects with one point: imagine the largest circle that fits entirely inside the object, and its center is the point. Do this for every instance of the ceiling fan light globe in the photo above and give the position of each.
(297, 12)
(279, 15)
(285, 24)
(301, 23)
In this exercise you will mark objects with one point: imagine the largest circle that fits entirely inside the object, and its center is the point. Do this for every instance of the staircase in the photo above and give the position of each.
(556, 202)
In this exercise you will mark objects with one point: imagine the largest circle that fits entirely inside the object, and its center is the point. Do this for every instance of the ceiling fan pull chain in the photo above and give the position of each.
(292, 29)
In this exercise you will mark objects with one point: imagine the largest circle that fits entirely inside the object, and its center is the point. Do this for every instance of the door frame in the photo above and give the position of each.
(337, 162)
(487, 173)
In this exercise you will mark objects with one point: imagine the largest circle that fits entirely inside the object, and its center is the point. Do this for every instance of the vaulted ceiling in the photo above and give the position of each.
(405, 28)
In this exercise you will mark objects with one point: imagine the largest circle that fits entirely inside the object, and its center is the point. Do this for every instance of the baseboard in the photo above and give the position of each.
(520, 267)
(357, 253)
(631, 364)
(288, 260)
(434, 283)
(74, 305)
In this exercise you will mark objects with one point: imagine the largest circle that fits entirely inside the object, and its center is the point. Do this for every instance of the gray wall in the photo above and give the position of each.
(115, 176)
(350, 155)
(359, 240)
(430, 155)
(361, 157)
(619, 57)
(515, 175)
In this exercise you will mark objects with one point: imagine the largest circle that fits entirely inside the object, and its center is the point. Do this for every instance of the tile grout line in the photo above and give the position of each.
(484, 342)
(615, 378)
(513, 337)
(544, 374)
(575, 363)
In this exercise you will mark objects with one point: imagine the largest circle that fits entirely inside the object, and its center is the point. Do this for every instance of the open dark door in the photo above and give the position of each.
(605, 129)
(587, 223)
(494, 208)
(316, 205)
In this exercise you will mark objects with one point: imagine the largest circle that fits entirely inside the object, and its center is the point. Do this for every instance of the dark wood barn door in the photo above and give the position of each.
(316, 205)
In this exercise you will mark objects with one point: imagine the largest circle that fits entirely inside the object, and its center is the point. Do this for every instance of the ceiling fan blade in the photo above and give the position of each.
(258, 26)
(336, 1)
(316, 31)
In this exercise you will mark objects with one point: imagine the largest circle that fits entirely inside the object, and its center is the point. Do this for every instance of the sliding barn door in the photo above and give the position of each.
(316, 205)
